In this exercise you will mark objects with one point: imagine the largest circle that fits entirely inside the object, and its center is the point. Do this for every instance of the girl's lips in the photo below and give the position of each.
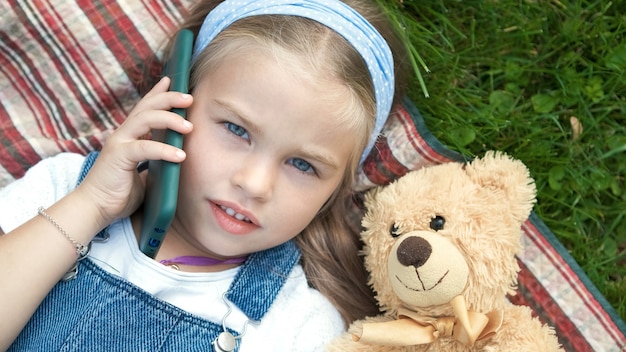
(232, 221)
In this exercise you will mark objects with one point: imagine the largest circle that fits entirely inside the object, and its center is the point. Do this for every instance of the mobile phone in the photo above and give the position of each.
(162, 179)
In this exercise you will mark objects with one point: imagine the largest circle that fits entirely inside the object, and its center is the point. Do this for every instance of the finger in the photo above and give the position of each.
(161, 86)
(153, 150)
(163, 101)
(126, 156)
(144, 122)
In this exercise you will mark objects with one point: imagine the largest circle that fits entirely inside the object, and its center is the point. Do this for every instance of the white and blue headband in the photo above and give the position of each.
(335, 15)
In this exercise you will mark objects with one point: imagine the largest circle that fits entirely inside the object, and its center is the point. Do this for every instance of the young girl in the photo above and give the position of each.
(287, 100)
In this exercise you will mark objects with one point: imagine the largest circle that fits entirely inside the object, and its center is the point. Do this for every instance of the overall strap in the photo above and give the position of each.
(87, 164)
(261, 277)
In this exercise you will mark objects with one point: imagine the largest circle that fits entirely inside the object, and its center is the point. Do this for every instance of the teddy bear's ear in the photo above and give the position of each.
(371, 201)
(370, 197)
(502, 174)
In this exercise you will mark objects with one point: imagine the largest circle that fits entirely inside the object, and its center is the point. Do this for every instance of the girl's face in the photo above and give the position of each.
(267, 150)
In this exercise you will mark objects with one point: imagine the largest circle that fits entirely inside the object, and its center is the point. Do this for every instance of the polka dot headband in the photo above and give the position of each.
(335, 15)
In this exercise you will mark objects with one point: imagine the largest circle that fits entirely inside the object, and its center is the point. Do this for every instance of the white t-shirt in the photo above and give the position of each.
(300, 319)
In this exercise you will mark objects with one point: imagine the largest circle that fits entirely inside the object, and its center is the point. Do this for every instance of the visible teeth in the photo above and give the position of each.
(234, 214)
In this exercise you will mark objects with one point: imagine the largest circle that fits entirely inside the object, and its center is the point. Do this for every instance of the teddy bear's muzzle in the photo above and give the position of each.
(426, 269)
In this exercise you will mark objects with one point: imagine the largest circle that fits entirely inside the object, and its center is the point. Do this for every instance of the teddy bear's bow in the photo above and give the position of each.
(413, 329)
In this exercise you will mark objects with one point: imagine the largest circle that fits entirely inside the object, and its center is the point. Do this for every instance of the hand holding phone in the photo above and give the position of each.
(162, 180)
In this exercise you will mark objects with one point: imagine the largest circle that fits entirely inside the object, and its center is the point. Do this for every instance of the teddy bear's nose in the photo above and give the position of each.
(414, 251)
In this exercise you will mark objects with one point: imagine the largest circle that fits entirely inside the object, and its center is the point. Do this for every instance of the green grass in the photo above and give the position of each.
(520, 76)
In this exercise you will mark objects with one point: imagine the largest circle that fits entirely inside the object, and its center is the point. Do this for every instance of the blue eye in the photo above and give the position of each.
(301, 165)
(237, 130)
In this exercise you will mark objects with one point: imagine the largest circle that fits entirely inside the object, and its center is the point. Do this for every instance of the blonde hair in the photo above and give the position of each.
(329, 245)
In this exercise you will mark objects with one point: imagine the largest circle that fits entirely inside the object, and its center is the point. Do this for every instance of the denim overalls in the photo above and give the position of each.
(99, 311)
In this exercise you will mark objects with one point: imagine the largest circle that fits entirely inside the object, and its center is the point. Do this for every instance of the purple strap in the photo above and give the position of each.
(201, 261)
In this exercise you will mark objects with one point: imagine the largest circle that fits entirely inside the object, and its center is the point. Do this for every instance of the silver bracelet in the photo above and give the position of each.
(81, 250)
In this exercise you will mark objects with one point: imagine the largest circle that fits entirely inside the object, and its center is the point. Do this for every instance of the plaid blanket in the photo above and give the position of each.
(70, 72)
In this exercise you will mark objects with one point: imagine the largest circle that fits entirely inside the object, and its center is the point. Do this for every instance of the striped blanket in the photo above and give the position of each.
(70, 71)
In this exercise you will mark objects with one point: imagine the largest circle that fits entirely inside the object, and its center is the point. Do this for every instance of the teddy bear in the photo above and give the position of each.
(440, 245)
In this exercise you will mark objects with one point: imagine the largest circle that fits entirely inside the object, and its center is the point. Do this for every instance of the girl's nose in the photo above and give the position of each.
(255, 177)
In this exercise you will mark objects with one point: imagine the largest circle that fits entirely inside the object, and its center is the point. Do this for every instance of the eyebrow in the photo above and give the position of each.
(322, 158)
(249, 125)
(252, 127)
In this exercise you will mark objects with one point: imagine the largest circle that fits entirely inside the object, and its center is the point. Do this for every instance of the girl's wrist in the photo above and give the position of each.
(78, 216)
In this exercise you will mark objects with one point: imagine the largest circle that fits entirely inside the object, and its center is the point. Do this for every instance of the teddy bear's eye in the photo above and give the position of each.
(395, 231)
(437, 223)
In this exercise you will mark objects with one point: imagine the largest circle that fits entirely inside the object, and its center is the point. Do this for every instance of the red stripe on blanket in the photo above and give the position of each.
(533, 294)
(16, 65)
(103, 102)
(46, 103)
(123, 39)
(416, 139)
(53, 121)
(381, 167)
(165, 13)
(16, 155)
(47, 29)
(82, 79)
(591, 304)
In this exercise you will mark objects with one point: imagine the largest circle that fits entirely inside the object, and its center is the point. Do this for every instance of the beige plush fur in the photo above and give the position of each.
(446, 231)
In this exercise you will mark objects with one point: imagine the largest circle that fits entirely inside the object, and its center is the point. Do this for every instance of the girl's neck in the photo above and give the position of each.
(175, 253)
